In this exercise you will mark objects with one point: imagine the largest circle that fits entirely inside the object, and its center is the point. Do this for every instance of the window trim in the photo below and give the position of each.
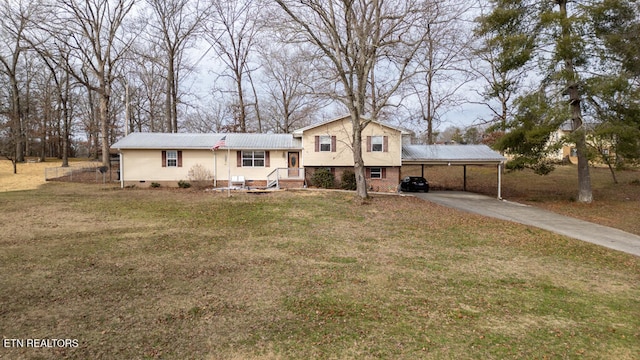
(172, 158)
(253, 158)
(381, 143)
(325, 140)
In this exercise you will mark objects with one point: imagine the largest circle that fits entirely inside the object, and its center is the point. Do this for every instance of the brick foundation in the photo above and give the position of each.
(388, 184)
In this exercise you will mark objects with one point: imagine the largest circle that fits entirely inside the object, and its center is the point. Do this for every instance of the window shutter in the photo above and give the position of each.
(317, 143)
(164, 158)
(368, 143)
(266, 159)
(333, 144)
(384, 172)
(385, 146)
(239, 158)
(368, 173)
(179, 158)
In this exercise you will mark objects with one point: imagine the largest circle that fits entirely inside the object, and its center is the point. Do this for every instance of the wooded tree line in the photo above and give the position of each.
(75, 75)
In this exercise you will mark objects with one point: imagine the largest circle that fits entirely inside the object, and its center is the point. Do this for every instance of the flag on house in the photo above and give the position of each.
(220, 143)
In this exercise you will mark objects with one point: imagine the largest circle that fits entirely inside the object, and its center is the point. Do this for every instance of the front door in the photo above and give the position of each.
(294, 164)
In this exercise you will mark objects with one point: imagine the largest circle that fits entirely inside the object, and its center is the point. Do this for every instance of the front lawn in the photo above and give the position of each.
(182, 274)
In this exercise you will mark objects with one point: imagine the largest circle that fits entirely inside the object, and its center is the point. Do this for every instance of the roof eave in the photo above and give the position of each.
(451, 162)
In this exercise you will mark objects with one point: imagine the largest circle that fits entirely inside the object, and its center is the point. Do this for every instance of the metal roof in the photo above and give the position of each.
(455, 154)
(140, 140)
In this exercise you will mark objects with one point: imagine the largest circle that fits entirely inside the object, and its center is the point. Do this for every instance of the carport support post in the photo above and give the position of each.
(500, 181)
(464, 184)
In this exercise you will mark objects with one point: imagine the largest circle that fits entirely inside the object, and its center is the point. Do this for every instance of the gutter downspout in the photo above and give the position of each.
(121, 169)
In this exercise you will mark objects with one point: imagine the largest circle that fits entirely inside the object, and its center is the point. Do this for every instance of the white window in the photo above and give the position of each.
(253, 158)
(172, 158)
(376, 173)
(325, 143)
(376, 143)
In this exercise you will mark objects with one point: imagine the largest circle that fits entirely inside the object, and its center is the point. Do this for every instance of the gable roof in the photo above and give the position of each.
(450, 154)
(139, 140)
(299, 132)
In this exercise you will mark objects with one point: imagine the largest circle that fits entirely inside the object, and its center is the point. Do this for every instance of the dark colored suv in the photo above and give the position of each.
(414, 183)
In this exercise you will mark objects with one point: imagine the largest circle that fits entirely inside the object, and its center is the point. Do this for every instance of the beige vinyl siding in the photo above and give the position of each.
(147, 165)
(342, 155)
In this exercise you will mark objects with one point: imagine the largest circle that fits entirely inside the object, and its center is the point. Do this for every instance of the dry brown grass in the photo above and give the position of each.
(30, 174)
(184, 274)
(615, 205)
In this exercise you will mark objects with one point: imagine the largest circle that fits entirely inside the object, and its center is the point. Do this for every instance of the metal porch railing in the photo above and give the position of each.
(279, 174)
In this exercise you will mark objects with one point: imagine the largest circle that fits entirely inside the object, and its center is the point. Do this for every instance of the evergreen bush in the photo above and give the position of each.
(348, 180)
(323, 178)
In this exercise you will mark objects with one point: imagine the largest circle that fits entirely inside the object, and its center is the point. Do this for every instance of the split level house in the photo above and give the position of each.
(279, 160)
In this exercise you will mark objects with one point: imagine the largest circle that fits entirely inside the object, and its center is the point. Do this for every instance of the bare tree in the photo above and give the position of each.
(177, 24)
(501, 61)
(52, 56)
(441, 64)
(15, 21)
(210, 119)
(92, 29)
(147, 81)
(233, 33)
(356, 37)
(289, 88)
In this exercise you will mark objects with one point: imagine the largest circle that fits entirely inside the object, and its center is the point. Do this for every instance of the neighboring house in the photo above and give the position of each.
(328, 145)
(567, 152)
(280, 160)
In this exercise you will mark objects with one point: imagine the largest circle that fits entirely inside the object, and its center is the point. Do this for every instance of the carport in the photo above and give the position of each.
(458, 155)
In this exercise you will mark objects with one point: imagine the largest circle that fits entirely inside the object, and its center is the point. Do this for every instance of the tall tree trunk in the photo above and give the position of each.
(359, 167)
(93, 142)
(43, 132)
(255, 104)
(104, 123)
(16, 120)
(584, 178)
(174, 103)
(242, 119)
(66, 122)
(169, 99)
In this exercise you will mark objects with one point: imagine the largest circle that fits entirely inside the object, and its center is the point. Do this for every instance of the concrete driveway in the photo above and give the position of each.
(529, 215)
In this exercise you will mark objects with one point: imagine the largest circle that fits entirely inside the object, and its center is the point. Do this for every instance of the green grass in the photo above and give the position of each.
(182, 274)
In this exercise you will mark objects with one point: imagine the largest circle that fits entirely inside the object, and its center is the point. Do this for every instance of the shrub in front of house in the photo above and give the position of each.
(155, 185)
(348, 180)
(184, 184)
(200, 176)
(323, 178)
